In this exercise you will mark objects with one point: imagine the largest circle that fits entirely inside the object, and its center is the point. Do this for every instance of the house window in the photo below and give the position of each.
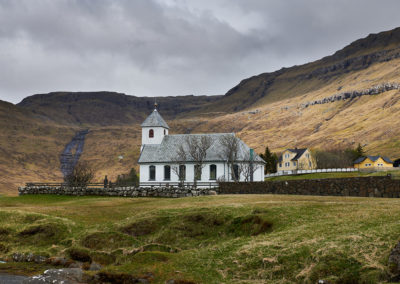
(213, 172)
(182, 172)
(197, 172)
(287, 164)
(165, 132)
(236, 171)
(286, 156)
(308, 155)
(294, 163)
(167, 173)
(152, 173)
(151, 133)
(309, 164)
(280, 165)
(367, 165)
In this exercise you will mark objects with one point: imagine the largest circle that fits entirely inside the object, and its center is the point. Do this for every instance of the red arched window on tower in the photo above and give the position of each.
(151, 133)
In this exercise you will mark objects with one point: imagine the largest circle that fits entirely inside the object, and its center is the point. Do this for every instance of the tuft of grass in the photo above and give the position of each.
(251, 225)
(42, 234)
(108, 241)
(79, 254)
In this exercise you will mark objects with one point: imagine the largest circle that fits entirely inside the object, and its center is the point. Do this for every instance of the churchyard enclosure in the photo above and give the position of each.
(208, 239)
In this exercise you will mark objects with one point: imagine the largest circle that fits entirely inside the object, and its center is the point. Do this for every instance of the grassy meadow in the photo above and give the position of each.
(213, 239)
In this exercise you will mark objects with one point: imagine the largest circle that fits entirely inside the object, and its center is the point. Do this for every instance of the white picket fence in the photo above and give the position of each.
(300, 172)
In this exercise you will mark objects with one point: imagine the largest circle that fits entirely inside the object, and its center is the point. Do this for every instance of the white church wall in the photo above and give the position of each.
(158, 135)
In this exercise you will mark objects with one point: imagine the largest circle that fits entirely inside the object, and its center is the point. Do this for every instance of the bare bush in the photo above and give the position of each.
(81, 176)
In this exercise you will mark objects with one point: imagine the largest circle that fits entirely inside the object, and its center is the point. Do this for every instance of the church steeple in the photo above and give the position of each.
(154, 128)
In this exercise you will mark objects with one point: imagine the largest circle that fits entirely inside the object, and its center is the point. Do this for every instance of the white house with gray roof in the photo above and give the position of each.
(159, 166)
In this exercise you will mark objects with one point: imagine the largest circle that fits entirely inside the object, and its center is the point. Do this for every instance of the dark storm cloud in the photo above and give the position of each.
(166, 47)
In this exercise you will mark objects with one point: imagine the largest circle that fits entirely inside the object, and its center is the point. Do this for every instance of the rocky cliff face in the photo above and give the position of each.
(375, 90)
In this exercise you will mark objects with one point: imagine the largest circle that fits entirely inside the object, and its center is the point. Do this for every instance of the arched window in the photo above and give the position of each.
(213, 172)
(151, 133)
(152, 173)
(167, 173)
(182, 172)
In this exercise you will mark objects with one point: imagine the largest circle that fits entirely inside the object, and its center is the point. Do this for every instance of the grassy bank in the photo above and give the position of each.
(395, 175)
(232, 238)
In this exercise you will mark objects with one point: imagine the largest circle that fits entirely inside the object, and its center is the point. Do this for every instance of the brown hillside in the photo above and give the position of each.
(29, 148)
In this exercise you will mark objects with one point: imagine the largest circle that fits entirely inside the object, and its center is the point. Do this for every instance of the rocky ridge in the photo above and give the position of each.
(375, 90)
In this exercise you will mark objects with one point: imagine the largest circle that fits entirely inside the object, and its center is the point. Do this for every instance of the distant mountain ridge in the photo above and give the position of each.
(108, 108)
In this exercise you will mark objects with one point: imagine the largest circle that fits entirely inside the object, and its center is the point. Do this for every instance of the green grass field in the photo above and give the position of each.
(213, 239)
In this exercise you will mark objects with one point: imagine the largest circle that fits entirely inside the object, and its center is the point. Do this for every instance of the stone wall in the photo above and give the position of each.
(116, 191)
(362, 186)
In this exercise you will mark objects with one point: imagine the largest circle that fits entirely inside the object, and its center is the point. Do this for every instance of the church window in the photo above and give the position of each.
(197, 172)
(165, 132)
(167, 172)
(182, 172)
(151, 133)
(152, 173)
(236, 171)
(213, 172)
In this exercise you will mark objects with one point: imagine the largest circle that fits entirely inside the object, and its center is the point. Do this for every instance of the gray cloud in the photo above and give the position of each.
(170, 47)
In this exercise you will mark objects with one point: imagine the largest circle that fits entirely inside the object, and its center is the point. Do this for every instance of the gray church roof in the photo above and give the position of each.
(166, 151)
(154, 120)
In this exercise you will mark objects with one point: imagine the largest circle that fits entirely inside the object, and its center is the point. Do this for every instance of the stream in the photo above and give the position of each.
(72, 152)
(11, 279)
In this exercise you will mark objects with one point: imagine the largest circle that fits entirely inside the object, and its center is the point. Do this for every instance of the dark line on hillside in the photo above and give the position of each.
(68, 159)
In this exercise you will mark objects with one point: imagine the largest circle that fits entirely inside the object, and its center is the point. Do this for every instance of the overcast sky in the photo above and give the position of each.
(171, 47)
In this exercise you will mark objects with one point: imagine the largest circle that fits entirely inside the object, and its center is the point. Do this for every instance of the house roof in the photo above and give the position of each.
(373, 159)
(154, 120)
(167, 151)
(299, 153)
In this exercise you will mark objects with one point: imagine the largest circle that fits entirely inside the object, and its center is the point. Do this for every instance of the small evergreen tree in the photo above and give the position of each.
(359, 152)
(271, 159)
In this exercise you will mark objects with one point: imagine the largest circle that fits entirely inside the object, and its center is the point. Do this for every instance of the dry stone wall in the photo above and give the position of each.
(117, 191)
(362, 187)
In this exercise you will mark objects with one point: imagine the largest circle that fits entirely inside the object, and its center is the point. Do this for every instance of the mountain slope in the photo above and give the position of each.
(29, 148)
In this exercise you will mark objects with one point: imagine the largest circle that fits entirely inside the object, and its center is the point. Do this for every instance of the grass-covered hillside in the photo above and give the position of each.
(215, 239)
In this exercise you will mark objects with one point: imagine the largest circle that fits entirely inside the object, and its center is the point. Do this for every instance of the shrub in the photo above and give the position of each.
(81, 175)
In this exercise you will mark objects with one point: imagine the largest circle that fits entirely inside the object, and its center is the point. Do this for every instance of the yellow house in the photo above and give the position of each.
(373, 162)
(296, 159)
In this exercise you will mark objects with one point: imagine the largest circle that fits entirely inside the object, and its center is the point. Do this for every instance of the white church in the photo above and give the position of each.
(158, 166)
